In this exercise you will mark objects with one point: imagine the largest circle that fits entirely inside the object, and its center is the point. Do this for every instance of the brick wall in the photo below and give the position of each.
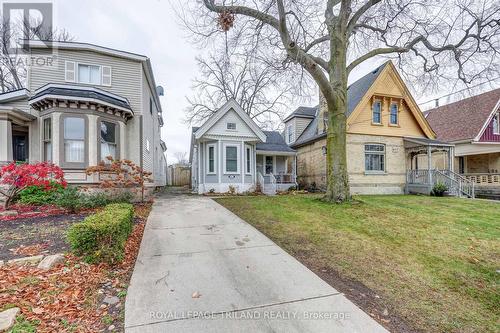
(311, 165)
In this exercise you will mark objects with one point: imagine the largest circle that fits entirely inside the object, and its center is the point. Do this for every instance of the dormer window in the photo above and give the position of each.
(377, 112)
(394, 114)
(496, 123)
(231, 126)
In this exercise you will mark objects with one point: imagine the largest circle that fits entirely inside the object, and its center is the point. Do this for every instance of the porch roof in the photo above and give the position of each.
(418, 142)
(274, 143)
(15, 114)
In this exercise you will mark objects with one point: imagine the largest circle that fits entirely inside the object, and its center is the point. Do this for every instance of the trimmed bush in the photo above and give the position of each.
(101, 237)
(40, 195)
(439, 189)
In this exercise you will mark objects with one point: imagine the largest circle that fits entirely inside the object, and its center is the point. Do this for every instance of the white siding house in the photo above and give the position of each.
(91, 102)
(230, 152)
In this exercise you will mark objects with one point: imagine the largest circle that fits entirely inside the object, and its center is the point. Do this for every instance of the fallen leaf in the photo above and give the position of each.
(196, 294)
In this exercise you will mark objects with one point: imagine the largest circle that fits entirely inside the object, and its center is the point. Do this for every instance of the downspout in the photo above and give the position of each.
(141, 158)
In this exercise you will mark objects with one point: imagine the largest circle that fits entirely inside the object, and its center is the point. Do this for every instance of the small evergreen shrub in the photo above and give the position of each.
(101, 237)
(40, 195)
(439, 189)
(70, 198)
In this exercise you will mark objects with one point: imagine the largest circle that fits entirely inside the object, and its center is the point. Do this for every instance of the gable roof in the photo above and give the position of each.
(355, 93)
(274, 142)
(359, 91)
(230, 105)
(464, 119)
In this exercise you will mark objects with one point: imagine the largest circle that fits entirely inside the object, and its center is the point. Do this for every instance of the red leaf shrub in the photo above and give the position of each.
(20, 176)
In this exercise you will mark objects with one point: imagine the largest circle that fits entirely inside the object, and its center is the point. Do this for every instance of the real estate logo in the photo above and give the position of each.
(26, 21)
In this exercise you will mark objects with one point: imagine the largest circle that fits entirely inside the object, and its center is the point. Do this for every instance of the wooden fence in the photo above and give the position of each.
(178, 175)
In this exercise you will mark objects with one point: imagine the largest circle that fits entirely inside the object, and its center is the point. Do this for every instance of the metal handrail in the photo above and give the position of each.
(456, 183)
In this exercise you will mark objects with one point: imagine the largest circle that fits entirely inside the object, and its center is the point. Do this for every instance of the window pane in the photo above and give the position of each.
(74, 151)
(211, 160)
(107, 149)
(248, 160)
(83, 73)
(377, 107)
(108, 132)
(231, 153)
(231, 126)
(394, 114)
(95, 75)
(47, 129)
(231, 166)
(47, 151)
(269, 164)
(74, 128)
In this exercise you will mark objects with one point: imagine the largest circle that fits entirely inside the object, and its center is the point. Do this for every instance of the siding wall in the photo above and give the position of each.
(489, 135)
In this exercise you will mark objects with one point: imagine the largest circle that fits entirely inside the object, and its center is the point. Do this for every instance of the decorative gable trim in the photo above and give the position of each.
(487, 122)
(230, 105)
(407, 97)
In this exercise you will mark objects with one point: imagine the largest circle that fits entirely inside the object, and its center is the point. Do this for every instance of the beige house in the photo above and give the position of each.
(84, 102)
(387, 136)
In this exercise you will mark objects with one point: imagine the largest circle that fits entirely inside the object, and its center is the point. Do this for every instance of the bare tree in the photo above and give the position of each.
(262, 91)
(181, 157)
(12, 64)
(436, 40)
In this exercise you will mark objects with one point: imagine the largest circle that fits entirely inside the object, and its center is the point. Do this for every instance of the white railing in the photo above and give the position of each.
(285, 178)
(490, 179)
(456, 184)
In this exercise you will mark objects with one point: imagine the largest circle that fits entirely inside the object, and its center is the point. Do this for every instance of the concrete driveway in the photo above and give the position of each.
(203, 269)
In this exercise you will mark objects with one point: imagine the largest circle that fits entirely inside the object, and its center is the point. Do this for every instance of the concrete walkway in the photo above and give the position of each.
(203, 269)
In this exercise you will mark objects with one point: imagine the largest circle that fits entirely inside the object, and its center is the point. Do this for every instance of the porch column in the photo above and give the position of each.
(450, 158)
(429, 164)
(6, 154)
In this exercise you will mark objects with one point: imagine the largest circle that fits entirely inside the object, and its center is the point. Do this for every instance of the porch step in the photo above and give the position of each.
(269, 190)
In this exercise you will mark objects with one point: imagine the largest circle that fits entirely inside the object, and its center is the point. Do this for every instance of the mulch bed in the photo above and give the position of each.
(35, 235)
(69, 297)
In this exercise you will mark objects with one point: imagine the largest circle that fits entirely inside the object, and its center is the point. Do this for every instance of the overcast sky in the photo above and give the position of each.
(148, 27)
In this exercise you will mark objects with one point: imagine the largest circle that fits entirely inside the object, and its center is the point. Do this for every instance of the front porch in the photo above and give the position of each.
(276, 171)
(431, 162)
(14, 135)
(483, 170)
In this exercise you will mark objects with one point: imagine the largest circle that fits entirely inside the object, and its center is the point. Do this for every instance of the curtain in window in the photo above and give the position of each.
(74, 140)
(108, 140)
(374, 157)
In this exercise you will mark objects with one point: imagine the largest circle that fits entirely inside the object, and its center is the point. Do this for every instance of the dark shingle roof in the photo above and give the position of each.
(304, 112)
(274, 142)
(82, 93)
(463, 119)
(355, 93)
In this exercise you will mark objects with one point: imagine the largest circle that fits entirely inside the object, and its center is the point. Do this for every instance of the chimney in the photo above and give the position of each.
(322, 114)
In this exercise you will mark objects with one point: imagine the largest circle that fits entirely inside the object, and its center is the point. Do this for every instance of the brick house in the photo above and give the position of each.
(387, 137)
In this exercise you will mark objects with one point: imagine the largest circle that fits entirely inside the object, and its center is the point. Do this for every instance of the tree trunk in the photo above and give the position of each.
(336, 153)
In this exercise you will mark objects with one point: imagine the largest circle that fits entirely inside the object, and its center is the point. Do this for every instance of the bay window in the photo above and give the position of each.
(108, 140)
(211, 158)
(74, 141)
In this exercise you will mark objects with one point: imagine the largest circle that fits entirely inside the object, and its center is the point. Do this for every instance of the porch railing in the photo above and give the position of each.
(456, 184)
(285, 178)
(488, 179)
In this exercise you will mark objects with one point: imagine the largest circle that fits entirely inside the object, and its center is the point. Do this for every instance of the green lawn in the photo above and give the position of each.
(433, 260)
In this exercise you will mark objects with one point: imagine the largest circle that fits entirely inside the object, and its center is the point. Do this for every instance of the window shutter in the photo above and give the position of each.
(69, 72)
(106, 75)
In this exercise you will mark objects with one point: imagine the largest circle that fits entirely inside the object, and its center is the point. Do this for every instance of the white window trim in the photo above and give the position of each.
(248, 172)
(376, 172)
(238, 160)
(375, 101)
(208, 161)
(274, 164)
(77, 73)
